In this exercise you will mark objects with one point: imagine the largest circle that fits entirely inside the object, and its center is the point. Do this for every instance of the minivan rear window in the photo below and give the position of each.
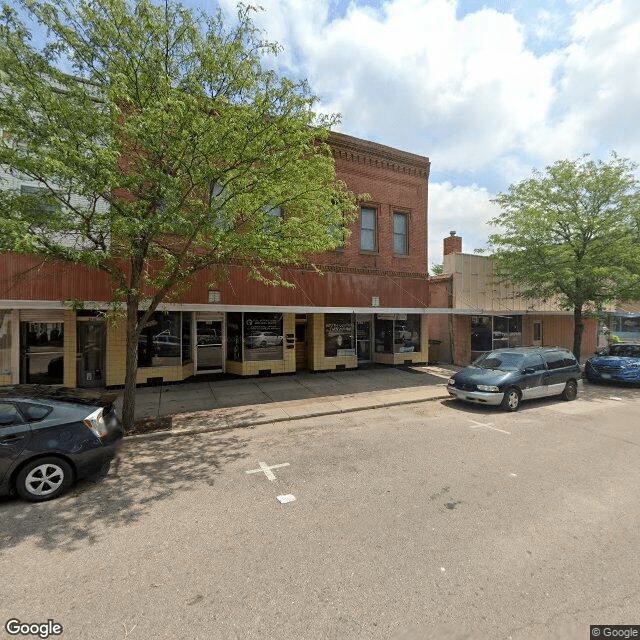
(559, 359)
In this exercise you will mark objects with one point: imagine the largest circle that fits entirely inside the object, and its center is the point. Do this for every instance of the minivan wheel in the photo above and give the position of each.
(511, 400)
(570, 390)
(44, 479)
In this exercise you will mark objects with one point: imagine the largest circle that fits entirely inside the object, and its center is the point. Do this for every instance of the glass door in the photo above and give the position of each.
(208, 345)
(537, 334)
(363, 338)
(41, 351)
(90, 354)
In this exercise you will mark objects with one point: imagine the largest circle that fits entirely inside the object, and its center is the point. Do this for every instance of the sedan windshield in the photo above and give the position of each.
(622, 351)
(501, 361)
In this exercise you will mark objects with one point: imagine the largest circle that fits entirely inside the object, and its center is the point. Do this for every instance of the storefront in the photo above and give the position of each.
(81, 348)
(494, 332)
(625, 325)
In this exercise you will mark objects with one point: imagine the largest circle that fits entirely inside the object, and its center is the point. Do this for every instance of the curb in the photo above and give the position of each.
(259, 421)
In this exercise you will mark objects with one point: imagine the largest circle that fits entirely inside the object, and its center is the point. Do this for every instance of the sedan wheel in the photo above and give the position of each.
(44, 479)
(511, 400)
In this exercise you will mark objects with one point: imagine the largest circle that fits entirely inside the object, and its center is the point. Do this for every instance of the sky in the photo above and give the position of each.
(488, 90)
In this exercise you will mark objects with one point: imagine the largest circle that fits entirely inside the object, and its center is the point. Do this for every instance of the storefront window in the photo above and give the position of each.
(187, 355)
(500, 332)
(234, 337)
(495, 332)
(399, 333)
(339, 338)
(43, 356)
(159, 344)
(480, 333)
(384, 334)
(625, 326)
(5, 342)
(406, 333)
(515, 331)
(263, 336)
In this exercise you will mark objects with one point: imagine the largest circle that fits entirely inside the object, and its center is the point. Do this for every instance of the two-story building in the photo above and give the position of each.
(370, 306)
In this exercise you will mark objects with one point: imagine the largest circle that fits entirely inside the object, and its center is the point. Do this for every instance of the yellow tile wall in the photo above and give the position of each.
(315, 328)
(69, 349)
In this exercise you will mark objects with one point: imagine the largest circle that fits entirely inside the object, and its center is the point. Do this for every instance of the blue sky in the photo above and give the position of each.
(488, 90)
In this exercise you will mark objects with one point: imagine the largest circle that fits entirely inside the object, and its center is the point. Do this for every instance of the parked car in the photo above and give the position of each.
(263, 339)
(615, 363)
(207, 337)
(505, 377)
(51, 437)
(166, 344)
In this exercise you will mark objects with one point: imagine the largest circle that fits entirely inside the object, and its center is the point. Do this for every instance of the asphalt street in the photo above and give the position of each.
(421, 520)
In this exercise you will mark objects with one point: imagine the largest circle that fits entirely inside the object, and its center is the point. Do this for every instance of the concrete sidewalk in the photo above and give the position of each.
(208, 405)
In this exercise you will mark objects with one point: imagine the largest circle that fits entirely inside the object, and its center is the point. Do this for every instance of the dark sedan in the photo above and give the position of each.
(51, 437)
(615, 363)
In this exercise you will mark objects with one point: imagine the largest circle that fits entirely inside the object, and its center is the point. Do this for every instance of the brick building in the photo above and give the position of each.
(473, 311)
(369, 307)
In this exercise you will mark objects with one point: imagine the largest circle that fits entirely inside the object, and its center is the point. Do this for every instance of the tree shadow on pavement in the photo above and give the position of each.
(145, 472)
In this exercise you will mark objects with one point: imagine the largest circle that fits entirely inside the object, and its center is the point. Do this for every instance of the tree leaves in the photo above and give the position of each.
(572, 232)
(161, 104)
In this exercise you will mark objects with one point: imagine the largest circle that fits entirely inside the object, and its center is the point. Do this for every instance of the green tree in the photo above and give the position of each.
(571, 233)
(163, 144)
(437, 269)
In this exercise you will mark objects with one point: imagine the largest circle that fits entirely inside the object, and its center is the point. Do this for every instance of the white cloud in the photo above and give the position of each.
(599, 92)
(465, 210)
(464, 92)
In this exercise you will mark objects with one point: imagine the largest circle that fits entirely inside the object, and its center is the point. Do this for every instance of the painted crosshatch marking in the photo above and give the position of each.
(266, 469)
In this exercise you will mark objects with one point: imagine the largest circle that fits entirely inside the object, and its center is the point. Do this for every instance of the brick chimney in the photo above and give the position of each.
(452, 244)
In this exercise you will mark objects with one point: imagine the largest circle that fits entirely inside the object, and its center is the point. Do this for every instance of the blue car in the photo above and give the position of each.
(615, 363)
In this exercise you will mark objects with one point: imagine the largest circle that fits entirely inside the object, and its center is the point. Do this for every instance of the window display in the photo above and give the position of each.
(234, 337)
(406, 333)
(339, 335)
(399, 333)
(263, 336)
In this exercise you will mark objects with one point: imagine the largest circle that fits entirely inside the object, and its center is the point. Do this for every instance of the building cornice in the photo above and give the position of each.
(371, 153)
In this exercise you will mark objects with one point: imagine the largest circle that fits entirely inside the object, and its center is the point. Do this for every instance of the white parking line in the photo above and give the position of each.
(266, 469)
(477, 425)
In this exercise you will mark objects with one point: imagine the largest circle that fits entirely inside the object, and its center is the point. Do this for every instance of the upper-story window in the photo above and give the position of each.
(400, 234)
(368, 229)
(276, 212)
(274, 219)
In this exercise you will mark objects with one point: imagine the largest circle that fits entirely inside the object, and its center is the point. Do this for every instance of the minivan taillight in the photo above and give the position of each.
(96, 423)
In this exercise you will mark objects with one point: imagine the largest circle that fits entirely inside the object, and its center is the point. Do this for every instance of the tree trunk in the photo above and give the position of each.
(578, 328)
(131, 365)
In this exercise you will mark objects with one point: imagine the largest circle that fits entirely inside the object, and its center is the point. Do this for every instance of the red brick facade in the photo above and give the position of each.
(376, 301)
(396, 181)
